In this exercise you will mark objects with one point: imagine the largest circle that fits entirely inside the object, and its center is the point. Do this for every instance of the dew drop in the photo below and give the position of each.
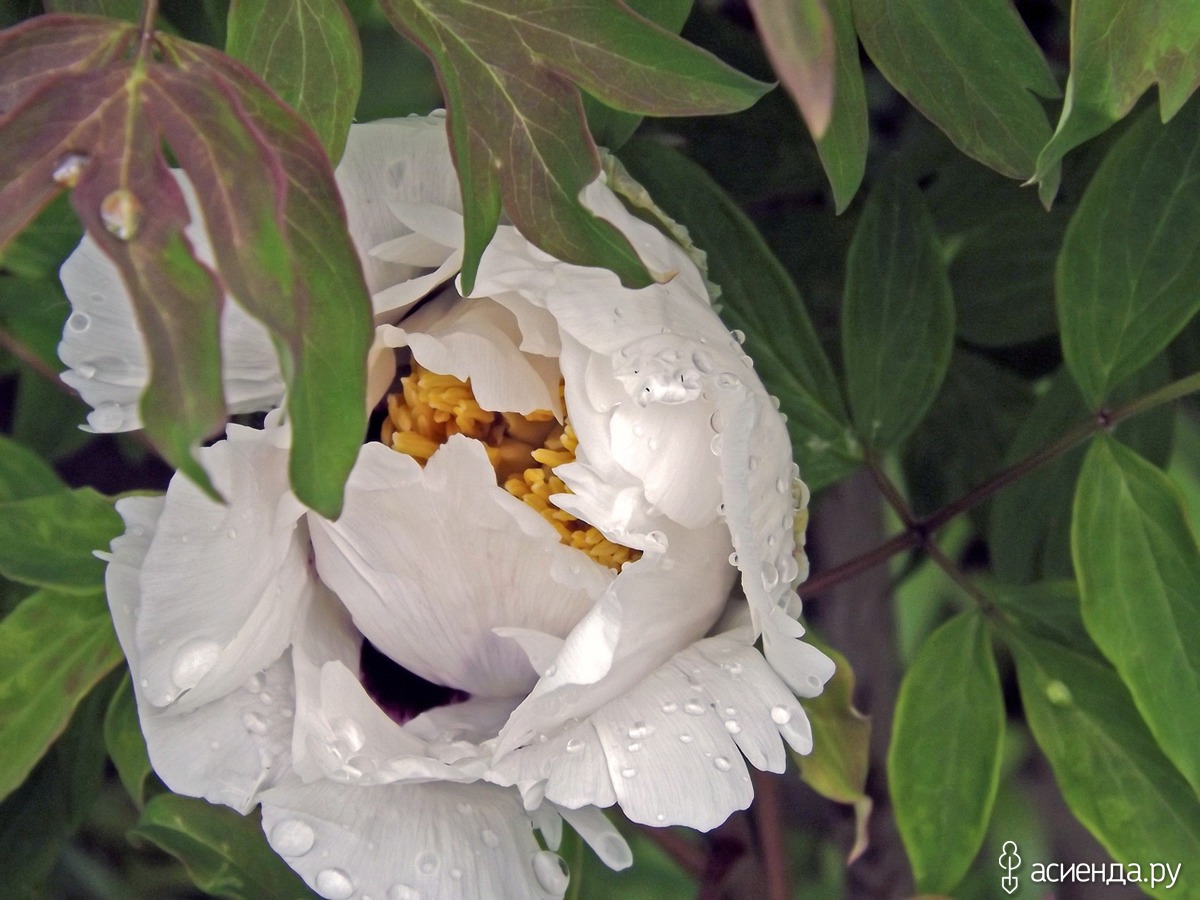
(629, 772)
(256, 683)
(291, 837)
(551, 872)
(490, 838)
(456, 874)
(550, 672)
(639, 430)
(574, 745)
(770, 575)
(780, 715)
(68, 169)
(232, 532)
(715, 445)
(732, 726)
(733, 558)
(639, 730)
(739, 335)
(635, 747)
(693, 708)
(428, 862)
(660, 818)
(193, 661)
(704, 362)
(733, 668)
(351, 733)
(685, 738)
(254, 723)
(465, 809)
(1058, 693)
(730, 711)
(402, 892)
(121, 213)
(334, 884)
(722, 764)
(87, 371)
(79, 322)
(670, 707)
(106, 416)
(728, 380)
(652, 444)
(715, 421)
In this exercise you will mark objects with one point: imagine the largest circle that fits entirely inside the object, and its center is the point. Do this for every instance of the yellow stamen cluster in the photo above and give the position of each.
(523, 449)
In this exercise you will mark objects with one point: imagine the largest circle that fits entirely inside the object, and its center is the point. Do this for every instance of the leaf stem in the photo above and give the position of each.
(146, 28)
(769, 825)
(918, 532)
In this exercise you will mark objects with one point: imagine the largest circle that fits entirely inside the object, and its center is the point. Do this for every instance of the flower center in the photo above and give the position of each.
(402, 694)
(523, 449)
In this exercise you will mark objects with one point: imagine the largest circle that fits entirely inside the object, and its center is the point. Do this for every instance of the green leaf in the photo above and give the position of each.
(843, 146)
(960, 443)
(124, 742)
(226, 854)
(1118, 50)
(758, 297)
(328, 329)
(611, 128)
(308, 52)
(799, 40)
(838, 765)
(39, 250)
(944, 758)
(1139, 570)
(23, 474)
(1046, 609)
(509, 72)
(1113, 776)
(49, 540)
(1029, 523)
(897, 315)
(1131, 256)
(53, 649)
(970, 68)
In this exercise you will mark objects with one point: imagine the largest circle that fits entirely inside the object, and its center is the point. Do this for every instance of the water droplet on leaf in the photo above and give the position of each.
(121, 213)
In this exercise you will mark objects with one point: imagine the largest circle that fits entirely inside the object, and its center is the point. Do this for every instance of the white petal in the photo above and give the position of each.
(598, 833)
(106, 355)
(480, 340)
(430, 561)
(801, 665)
(568, 769)
(222, 585)
(226, 750)
(656, 607)
(392, 160)
(449, 841)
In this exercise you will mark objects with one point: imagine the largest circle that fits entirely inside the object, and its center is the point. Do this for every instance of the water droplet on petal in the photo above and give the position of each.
(334, 884)
(489, 838)
(739, 335)
(635, 747)
(69, 167)
(291, 837)
(733, 558)
(629, 772)
(715, 445)
(256, 683)
(402, 892)
(703, 362)
(551, 871)
(79, 322)
(574, 745)
(728, 380)
(722, 764)
(351, 733)
(87, 370)
(693, 709)
(107, 417)
(254, 723)
(770, 575)
(639, 730)
(732, 726)
(685, 738)
(121, 213)
(428, 862)
(780, 715)
(232, 532)
(193, 662)
(670, 707)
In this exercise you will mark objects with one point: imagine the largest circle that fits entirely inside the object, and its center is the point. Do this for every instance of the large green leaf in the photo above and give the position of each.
(758, 297)
(510, 70)
(1131, 256)
(1139, 576)
(897, 315)
(1119, 49)
(1046, 609)
(226, 854)
(843, 146)
(1029, 523)
(944, 758)
(53, 649)
(23, 474)
(1113, 776)
(308, 52)
(49, 540)
(969, 67)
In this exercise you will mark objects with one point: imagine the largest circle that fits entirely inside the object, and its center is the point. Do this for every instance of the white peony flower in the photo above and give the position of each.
(542, 597)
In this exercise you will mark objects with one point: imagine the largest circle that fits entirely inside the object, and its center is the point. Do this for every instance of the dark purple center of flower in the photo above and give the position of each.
(402, 694)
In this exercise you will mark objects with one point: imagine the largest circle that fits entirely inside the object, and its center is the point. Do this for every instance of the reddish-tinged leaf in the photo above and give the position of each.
(114, 9)
(328, 341)
(509, 72)
(240, 185)
(798, 36)
(308, 52)
(48, 45)
(132, 206)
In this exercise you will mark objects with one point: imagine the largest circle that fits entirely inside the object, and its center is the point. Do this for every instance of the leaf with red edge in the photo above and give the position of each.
(798, 37)
(328, 328)
(511, 72)
(48, 45)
